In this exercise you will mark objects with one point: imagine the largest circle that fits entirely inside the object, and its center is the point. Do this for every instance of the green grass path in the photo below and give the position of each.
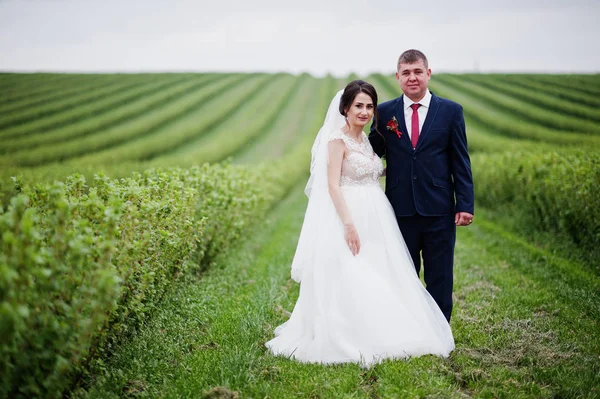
(526, 326)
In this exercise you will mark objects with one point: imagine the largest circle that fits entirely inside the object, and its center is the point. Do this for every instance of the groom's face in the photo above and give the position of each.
(413, 79)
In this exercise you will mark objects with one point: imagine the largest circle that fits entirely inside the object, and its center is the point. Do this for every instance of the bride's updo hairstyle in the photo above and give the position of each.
(350, 92)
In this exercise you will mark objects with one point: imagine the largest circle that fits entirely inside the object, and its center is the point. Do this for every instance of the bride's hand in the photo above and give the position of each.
(351, 236)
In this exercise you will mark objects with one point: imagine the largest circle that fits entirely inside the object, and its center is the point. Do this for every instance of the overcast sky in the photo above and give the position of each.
(315, 36)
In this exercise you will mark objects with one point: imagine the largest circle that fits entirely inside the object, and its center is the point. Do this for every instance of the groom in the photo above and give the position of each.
(428, 176)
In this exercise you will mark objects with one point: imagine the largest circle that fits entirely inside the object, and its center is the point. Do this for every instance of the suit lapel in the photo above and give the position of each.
(402, 122)
(434, 106)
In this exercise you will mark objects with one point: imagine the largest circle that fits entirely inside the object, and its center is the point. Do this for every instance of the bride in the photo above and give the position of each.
(360, 298)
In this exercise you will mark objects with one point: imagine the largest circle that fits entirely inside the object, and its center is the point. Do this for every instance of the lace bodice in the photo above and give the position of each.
(361, 166)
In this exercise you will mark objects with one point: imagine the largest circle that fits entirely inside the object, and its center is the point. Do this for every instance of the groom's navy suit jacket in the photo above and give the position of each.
(435, 178)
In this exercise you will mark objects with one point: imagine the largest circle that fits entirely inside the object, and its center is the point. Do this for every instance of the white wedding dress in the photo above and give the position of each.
(362, 308)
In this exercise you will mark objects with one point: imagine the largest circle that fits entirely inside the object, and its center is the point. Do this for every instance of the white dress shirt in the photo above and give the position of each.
(422, 111)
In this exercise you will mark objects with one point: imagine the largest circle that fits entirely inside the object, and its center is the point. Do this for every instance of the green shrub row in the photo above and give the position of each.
(483, 139)
(42, 89)
(131, 129)
(15, 86)
(286, 130)
(560, 191)
(9, 81)
(511, 125)
(77, 96)
(81, 267)
(567, 107)
(13, 177)
(576, 83)
(519, 107)
(106, 121)
(99, 108)
(243, 122)
(574, 96)
(191, 125)
(253, 119)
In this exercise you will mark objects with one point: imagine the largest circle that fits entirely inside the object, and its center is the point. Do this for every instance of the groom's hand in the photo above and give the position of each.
(463, 219)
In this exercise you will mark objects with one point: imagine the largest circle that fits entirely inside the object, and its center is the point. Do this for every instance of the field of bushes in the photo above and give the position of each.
(118, 191)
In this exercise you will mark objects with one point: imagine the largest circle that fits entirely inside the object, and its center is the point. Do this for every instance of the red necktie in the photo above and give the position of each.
(415, 125)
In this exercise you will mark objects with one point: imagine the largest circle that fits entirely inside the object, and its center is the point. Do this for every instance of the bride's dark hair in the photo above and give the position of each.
(350, 92)
(352, 89)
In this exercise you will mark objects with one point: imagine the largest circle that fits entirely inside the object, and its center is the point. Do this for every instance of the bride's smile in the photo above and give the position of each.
(360, 112)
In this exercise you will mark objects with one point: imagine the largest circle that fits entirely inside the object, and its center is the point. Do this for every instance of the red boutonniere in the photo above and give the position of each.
(393, 126)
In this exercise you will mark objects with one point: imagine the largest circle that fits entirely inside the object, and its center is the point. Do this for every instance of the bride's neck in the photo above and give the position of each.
(353, 131)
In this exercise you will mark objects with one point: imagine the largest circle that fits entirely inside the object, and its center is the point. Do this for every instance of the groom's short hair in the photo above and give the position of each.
(411, 56)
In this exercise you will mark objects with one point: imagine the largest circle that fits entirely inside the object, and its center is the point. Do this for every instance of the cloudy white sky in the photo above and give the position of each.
(315, 36)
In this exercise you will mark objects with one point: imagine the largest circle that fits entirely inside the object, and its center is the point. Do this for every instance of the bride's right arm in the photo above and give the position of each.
(337, 149)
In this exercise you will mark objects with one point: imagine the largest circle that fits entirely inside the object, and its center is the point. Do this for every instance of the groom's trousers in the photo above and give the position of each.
(433, 238)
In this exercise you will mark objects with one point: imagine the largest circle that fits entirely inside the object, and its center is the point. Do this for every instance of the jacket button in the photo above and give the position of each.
(414, 157)
(415, 177)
